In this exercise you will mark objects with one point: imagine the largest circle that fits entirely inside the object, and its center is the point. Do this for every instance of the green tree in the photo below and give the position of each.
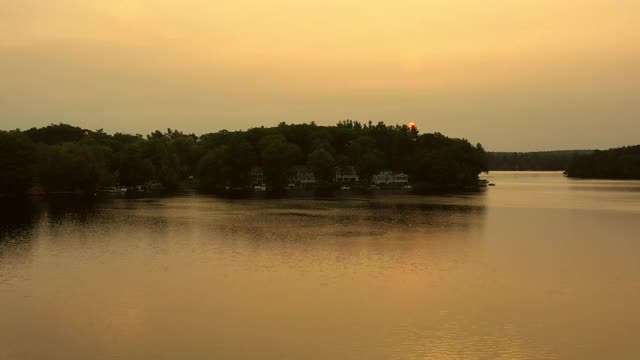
(368, 164)
(56, 134)
(135, 169)
(210, 170)
(322, 164)
(226, 165)
(618, 163)
(69, 157)
(170, 173)
(366, 158)
(277, 158)
(16, 162)
(69, 167)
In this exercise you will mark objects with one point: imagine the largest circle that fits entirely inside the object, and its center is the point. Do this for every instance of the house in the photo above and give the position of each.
(400, 178)
(301, 175)
(388, 177)
(256, 176)
(346, 175)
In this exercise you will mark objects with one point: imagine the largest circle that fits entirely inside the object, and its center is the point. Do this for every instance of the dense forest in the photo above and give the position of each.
(62, 157)
(533, 161)
(619, 163)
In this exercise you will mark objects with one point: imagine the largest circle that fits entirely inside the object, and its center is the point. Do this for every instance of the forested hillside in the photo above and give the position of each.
(67, 158)
(533, 161)
(618, 163)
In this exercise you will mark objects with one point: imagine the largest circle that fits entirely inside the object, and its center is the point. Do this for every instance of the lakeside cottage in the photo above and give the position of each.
(256, 176)
(389, 177)
(346, 175)
(301, 176)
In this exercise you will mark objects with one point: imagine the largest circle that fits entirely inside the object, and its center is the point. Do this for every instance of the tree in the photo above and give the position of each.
(226, 165)
(56, 134)
(188, 153)
(322, 164)
(618, 163)
(69, 167)
(135, 169)
(210, 170)
(368, 164)
(73, 158)
(366, 158)
(170, 173)
(277, 158)
(16, 162)
(444, 163)
(238, 159)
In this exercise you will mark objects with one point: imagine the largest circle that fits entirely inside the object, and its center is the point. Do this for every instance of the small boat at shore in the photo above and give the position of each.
(112, 190)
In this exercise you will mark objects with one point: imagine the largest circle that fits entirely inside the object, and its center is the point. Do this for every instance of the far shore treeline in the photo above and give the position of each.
(619, 163)
(533, 161)
(616, 163)
(63, 158)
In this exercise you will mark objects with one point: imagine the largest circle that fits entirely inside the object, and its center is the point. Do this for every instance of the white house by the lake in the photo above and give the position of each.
(346, 175)
(301, 175)
(389, 177)
(256, 176)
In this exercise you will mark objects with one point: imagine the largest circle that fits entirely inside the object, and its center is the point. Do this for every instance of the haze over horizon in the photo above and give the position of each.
(516, 76)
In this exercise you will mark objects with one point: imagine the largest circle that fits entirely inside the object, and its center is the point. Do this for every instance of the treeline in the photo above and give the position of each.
(533, 161)
(618, 163)
(67, 158)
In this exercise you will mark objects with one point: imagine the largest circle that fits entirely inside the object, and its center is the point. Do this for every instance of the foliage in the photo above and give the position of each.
(533, 161)
(227, 164)
(322, 164)
(277, 158)
(67, 158)
(16, 162)
(444, 163)
(134, 168)
(68, 167)
(619, 163)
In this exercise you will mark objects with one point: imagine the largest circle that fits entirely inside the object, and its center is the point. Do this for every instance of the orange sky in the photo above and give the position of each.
(514, 75)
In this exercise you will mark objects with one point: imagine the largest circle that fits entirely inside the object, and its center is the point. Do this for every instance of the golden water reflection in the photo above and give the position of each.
(539, 267)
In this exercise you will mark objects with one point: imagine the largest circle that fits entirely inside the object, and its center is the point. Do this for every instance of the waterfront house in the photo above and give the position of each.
(301, 176)
(389, 177)
(256, 176)
(346, 175)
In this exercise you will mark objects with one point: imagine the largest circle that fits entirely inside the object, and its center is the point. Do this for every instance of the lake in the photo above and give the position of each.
(537, 267)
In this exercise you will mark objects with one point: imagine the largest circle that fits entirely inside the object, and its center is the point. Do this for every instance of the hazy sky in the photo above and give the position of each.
(514, 75)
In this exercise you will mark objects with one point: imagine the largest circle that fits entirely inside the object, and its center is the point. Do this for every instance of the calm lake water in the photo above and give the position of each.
(538, 267)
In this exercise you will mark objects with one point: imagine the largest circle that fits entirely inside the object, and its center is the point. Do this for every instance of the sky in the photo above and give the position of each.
(513, 75)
